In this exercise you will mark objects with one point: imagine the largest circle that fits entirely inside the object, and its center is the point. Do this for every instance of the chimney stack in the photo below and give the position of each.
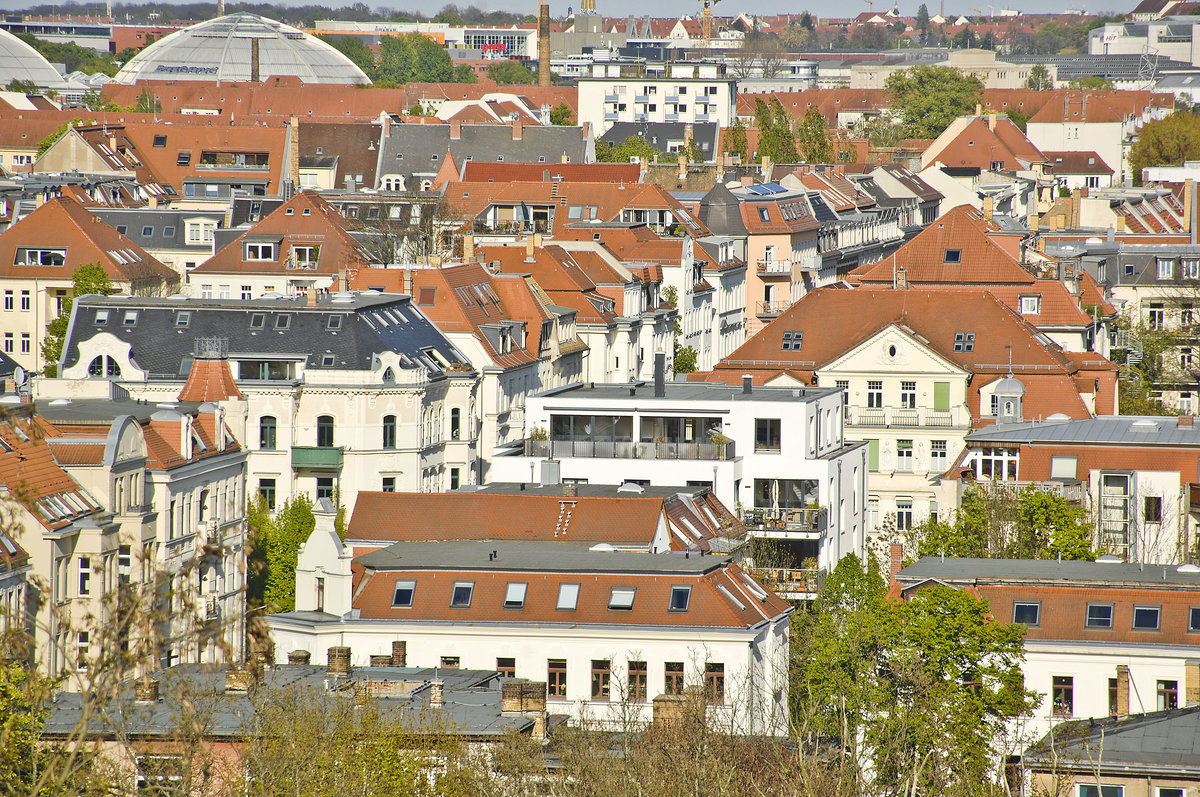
(569, 490)
(660, 367)
(311, 296)
(254, 60)
(517, 129)
(399, 653)
(992, 122)
(455, 130)
(544, 43)
(747, 384)
(339, 660)
(145, 690)
(299, 657)
(436, 693)
(1122, 690)
(528, 248)
(895, 560)
(1191, 682)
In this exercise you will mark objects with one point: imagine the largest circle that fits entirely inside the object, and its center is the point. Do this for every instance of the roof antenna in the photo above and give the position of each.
(1009, 347)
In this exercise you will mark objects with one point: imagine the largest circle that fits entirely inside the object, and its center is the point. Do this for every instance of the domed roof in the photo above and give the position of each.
(19, 61)
(219, 49)
(1009, 386)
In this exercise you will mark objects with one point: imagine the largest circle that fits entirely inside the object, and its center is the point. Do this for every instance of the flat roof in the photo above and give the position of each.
(686, 391)
(506, 557)
(1130, 430)
(999, 570)
(585, 490)
(104, 411)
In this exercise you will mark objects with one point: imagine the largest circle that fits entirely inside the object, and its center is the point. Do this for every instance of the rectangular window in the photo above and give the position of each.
(937, 455)
(637, 681)
(8, 300)
(451, 662)
(904, 514)
(568, 597)
(1168, 695)
(1099, 615)
(1194, 618)
(8, 342)
(324, 487)
(1165, 268)
(904, 455)
(461, 597)
(85, 576)
(964, 341)
(130, 318)
(389, 484)
(506, 666)
(874, 394)
(1062, 695)
(1031, 305)
(714, 682)
(601, 679)
(766, 434)
(25, 300)
(25, 343)
(1157, 317)
(84, 643)
(681, 598)
(1112, 697)
(403, 596)
(1066, 468)
(792, 341)
(1146, 618)
(1090, 790)
(556, 677)
(1152, 509)
(621, 598)
(1191, 268)
(673, 683)
(1027, 613)
(260, 252)
(514, 595)
(908, 395)
(266, 488)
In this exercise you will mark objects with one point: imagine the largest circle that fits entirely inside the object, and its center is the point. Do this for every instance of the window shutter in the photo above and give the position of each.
(873, 455)
(941, 395)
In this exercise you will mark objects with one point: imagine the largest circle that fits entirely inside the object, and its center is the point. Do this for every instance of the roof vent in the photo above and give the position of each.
(1108, 559)
(630, 487)
(1144, 425)
(178, 297)
(1189, 568)
(602, 547)
(167, 405)
(271, 295)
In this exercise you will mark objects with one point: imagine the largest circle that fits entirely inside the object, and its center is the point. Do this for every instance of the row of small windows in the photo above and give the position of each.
(1100, 616)
(619, 599)
(268, 424)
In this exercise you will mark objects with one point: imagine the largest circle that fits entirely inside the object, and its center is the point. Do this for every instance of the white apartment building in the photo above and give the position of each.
(680, 91)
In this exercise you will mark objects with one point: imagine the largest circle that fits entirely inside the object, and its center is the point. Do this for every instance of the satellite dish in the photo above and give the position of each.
(19, 376)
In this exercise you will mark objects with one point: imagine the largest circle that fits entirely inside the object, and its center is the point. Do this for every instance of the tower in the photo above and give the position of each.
(544, 42)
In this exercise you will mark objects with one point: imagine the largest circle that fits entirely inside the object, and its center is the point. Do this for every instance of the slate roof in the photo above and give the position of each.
(167, 226)
(1121, 430)
(1047, 570)
(660, 134)
(1165, 742)
(165, 350)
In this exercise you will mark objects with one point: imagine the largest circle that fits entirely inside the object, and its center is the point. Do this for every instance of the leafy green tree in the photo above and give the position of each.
(1165, 142)
(736, 140)
(277, 542)
(929, 98)
(353, 48)
(923, 18)
(775, 138)
(806, 21)
(463, 73)
(879, 131)
(23, 87)
(811, 137)
(413, 58)
(94, 101)
(562, 115)
(146, 103)
(89, 278)
(964, 38)
(510, 73)
(1039, 78)
(1093, 82)
(72, 56)
(632, 147)
(23, 695)
(685, 360)
(58, 133)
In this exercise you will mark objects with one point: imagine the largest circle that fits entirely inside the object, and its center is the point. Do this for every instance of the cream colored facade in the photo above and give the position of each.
(993, 72)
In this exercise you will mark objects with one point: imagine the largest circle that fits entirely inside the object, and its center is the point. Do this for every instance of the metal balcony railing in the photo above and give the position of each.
(772, 309)
(803, 519)
(607, 449)
(903, 417)
(791, 582)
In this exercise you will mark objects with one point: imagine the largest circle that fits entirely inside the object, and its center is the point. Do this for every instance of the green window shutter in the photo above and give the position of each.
(873, 455)
(941, 395)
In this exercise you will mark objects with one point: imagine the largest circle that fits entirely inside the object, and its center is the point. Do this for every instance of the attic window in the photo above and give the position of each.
(953, 256)
(130, 318)
(1031, 305)
(681, 598)
(306, 212)
(327, 360)
(160, 141)
(101, 316)
(461, 597)
(283, 321)
(403, 596)
(541, 158)
(433, 157)
(514, 595)
(764, 214)
(335, 322)
(621, 599)
(257, 321)
(964, 341)
(147, 232)
(426, 296)
(290, 212)
(182, 318)
(184, 159)
(792, 341)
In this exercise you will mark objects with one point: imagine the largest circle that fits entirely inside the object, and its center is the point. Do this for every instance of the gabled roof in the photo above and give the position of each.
(64, 224)
(31, 475)
(982, 141)
(560, 276)
(305, 220)
(1062, 163)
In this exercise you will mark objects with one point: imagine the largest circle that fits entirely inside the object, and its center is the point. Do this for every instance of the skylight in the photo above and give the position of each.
(514, 595)
(621, 598)
(792, 340)
(461, 597)
(568, 597)
(964, 341)
(681, 598)
(953, 255)
(403, 597)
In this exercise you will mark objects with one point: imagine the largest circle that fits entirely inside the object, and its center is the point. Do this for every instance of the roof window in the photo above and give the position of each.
(792, 340)
(184, 159)
(403, 596)
(764, 214)
(160, 141)
(461, 597)
(568, 597)
(306, 212)
(147, 232)
(953, 256)
(130, 318)
(283, 321)
(335, 322)
(681, 598)
(102, 316)
(257, 321)
(327, 360)
(182, 318)
(426, 296)
(964, 341)
(621, 599)
(514, 595)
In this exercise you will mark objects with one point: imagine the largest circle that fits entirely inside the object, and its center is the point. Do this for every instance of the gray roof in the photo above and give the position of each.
(471, 700)
(1165, 742)
(102, 411)
(543, 557)
(165, 226)
(164, 349)
(688, 391)
(1113, 67)
(1132, 430)
(952, 569)
(220, 49)
(424, 147)
(19, 61)
(660, 134)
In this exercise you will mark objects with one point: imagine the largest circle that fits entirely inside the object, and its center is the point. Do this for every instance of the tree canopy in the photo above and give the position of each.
(277, 541)
(1039, 78)
(632, 147)
(1165, 142)
(775, 137)
(413, 58)
(929, 98)
(811, 137)
(511, 72)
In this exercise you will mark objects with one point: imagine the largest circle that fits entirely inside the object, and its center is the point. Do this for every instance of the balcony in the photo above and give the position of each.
(611, 98)
(772, 309)
(605, 449)
(791, 583)
(899, 417)
(642, 98)
(780, 267)
(1074, 491)
(672, 117)
(701, 117)
(610, 116)
(327, 457)
(641, 117)
(808, 523)
(673, 98)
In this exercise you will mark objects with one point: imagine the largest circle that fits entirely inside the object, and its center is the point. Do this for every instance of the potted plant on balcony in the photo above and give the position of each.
(720, 441)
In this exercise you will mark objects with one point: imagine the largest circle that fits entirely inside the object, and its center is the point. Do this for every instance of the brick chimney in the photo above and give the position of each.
(569, 490)
(1191, 682)
(339, 660)
(1122, 690)
(455, 130)
(145, 690)
(895, 561)
(311, 296)
(299, 657)
(399, 653)
(468, 247)
(517, 129)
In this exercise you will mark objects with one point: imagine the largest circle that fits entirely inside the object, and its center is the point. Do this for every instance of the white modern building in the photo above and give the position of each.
(681, 91)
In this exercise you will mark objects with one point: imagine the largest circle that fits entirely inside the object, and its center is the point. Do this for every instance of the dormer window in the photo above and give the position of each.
(260, 252)
(1031, 305)
(764, 214)
(1166, 268)
(160, 141)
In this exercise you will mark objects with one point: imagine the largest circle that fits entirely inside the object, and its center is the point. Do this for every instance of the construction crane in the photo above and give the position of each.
(706, 21)
(870, 5)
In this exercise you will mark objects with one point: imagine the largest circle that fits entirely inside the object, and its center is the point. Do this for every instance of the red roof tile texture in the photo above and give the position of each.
(209, 380)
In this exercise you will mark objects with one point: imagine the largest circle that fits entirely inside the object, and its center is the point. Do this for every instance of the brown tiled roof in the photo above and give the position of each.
(164, 438)
(63, 223)
(33, 477)
(1078, 163)
(710, 605)
(562, 279)
(77, 453)
(978, 145)
(413, 517)
(209, 380)
(484, 171)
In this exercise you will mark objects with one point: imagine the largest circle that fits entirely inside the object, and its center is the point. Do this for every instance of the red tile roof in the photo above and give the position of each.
(209, 380)
(483, 171)
(979, 144)
(34, 479)
(1078, 163)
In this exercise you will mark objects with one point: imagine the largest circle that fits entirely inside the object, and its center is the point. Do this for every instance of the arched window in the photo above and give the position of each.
(266, 432)
(325, 431)
(104, 366)
(389, 431)
(455, 423)
(389, 376)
